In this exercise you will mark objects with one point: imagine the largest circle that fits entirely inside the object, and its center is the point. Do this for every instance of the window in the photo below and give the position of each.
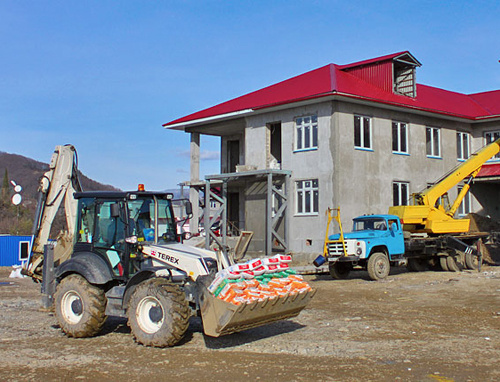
(400, 193)
(491, 137)
(362, 133)
(433, 135)
(463, 146)
(306, 136)
(307, 197)
(24, 250)
(465, 206)
(399, 138)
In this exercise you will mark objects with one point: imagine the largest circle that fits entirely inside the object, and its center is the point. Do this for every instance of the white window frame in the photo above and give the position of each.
(463, 146)
(491, 136)
(398, 139)
(402, 200)
(363, 120)
(28, 251)
(306, 133)
(307, 197)
(435, 149)
(465, 207)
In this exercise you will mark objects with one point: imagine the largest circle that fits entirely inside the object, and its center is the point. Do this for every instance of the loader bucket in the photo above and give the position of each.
(221, 317)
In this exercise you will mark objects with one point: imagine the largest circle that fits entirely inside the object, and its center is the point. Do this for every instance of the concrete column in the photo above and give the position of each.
(195, 177)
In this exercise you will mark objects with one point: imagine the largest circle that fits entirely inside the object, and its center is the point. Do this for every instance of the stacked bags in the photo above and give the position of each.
(257, 280)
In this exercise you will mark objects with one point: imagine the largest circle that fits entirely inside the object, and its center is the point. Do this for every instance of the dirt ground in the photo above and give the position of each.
(429, 326)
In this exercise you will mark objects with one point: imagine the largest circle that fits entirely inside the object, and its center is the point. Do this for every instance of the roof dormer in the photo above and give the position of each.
(404, 75)
(393, 73)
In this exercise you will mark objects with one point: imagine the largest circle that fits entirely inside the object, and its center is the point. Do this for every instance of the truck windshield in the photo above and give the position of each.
(369, 225)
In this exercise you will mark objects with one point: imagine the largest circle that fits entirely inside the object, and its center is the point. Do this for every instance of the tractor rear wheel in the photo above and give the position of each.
(80, 307)
(158, 313)
(339, 271)
(378, 266)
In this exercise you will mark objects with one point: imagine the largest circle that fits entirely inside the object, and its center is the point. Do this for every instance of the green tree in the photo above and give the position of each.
(5, 187)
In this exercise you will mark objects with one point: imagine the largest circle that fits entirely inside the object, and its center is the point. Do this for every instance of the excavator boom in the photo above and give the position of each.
(56, 185)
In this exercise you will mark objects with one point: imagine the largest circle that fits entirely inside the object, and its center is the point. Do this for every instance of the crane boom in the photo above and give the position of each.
(466, 169)
(426, 216)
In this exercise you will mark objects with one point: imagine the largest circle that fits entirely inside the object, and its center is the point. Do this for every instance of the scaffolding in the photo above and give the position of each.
(276, 189)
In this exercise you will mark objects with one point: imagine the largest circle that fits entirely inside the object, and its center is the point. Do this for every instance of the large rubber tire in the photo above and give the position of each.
(158, 313)
(416, 264)
(340, 270)
(433, 264)
(471, 261)
(444, 263)
(80, 307)
(453, 264)
(378, 266)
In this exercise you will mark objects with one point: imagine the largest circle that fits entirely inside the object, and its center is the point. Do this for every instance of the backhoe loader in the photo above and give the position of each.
(126, 259)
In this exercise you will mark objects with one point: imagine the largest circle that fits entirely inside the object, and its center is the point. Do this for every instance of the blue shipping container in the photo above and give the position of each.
(14, 250)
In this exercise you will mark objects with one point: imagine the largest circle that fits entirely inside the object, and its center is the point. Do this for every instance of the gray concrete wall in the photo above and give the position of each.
(364, 178)
(358, 181)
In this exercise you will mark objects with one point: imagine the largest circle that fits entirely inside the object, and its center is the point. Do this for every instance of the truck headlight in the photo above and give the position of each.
(359, 249)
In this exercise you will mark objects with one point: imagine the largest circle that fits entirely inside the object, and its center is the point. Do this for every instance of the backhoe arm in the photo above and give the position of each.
(59, 183)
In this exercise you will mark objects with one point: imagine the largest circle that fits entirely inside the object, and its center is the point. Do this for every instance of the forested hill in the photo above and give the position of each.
(27, 172)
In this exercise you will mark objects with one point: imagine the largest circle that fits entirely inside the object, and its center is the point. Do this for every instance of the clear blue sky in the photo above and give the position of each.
(105, 75)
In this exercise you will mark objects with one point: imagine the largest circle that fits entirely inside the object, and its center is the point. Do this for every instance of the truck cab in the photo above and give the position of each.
(374, 243)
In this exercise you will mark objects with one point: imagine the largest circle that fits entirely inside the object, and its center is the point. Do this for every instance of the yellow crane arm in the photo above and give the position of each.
(469, 168)
(425, 216)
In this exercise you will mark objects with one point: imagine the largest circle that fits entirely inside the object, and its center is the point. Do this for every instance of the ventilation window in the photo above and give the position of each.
(404, 79)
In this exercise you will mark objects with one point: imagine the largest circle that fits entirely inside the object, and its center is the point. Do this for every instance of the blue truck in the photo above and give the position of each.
(378, 241)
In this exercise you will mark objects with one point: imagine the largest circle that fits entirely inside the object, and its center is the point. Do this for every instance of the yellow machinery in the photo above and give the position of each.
(340, 241)
(427, 214)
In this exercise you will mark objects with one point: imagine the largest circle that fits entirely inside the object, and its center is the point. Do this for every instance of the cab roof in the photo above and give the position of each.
(122, 194)
(381, 216)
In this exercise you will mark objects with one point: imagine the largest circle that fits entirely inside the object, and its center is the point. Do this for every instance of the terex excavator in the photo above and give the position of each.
(126, 259)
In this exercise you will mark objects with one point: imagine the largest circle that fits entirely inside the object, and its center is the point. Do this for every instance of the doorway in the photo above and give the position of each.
(274, 154)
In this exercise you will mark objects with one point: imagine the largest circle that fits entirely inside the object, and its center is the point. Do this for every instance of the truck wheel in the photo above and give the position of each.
(416, 265)
(453, 265)
(80, 307)
(471, 261)
(339, 271)
(378, 266)
(433, 264)
(158, 313)
(444, 263)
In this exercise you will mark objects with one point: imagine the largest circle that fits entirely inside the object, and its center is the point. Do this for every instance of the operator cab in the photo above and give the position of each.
(114, 225)
(375, 223)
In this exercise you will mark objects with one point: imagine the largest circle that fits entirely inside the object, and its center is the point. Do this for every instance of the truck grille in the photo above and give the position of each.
(335, 249)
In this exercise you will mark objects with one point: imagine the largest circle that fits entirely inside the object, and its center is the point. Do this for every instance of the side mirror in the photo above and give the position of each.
(115, 210)
(394, 227)
(189, 209)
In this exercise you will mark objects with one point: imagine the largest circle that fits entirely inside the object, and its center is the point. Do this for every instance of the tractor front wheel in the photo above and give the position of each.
(80, 307)
(158, 313)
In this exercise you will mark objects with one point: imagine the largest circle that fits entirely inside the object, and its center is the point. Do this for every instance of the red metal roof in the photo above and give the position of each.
(489, 170)
(338, 80)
